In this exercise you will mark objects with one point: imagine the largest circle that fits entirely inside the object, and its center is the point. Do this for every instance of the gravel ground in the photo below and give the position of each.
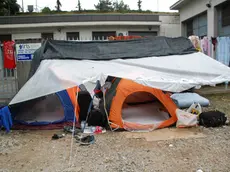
(35, 151)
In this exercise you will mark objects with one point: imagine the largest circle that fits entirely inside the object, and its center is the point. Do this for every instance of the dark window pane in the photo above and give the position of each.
(103, 35)
(47, 36)
(72, 35)
(226, 14)
(5, 38)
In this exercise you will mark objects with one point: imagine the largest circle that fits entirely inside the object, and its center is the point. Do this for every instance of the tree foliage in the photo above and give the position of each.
(139, 4)
(120, 6)
(9, 7)
(104, 6)
(46, 10)
(109, 6)
(58, 5)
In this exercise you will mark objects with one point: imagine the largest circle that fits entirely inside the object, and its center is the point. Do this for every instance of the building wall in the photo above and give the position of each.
(35, 35)
(85, 33)
(196, 7)
(170, 26)
(166, 29)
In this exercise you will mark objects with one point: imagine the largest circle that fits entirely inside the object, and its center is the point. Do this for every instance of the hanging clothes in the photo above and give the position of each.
(9, 55)
(205, 46)
(223, 50)
(214, 42)
(196, 42)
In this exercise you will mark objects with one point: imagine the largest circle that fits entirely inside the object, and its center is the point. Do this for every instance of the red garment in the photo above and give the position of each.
(9, 55)
(214, 43)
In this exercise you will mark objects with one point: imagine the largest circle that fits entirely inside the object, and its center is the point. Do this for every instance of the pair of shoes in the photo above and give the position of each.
(57, 136)
(87, 140)
(69, 129)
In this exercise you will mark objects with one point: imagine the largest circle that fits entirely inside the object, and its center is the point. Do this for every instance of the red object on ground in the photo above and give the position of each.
(9, 55)
(98, 130)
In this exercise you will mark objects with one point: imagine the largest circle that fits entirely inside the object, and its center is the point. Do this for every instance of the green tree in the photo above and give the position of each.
(58, 6)
(104, 6)
(139, 4)
(120, 6)
(79, 6)
(46, 10)
(9, 7)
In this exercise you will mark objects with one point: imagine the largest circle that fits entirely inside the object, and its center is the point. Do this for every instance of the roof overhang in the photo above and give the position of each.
(68, 24)
(178, 4)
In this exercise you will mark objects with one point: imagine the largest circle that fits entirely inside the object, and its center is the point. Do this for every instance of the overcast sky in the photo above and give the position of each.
(69, 5)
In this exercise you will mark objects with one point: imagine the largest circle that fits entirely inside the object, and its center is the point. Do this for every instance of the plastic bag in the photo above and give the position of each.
(195, 108)
(186, 119)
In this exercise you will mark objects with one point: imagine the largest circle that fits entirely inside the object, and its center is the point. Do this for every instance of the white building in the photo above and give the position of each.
(88, 26)
(204, 17)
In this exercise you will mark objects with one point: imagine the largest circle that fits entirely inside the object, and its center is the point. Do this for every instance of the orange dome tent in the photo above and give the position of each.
(132, 106)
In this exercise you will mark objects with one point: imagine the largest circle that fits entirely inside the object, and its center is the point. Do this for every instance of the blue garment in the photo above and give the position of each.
(223, 50)
(5, 118)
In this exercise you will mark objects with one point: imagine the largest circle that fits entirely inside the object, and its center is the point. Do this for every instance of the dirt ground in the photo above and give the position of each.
(119, 151)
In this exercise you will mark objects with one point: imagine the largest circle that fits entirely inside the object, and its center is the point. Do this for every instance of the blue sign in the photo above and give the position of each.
(25, 51)
(24, 57)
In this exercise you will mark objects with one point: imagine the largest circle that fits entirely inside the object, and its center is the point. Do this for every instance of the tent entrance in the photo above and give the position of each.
(44, 110)
(143, 108)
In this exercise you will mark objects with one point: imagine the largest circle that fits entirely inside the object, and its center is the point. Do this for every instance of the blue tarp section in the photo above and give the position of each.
(67, 105)
(5, 118)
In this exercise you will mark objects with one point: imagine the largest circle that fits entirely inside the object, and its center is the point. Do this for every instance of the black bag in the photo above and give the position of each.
(96, 118)
(84, 100)
(212, 119)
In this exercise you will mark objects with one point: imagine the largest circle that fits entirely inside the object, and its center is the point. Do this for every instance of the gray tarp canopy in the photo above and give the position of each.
(110, 50)
(168, 64)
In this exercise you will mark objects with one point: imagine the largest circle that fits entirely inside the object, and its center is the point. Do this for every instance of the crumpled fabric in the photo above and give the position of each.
(5, 118)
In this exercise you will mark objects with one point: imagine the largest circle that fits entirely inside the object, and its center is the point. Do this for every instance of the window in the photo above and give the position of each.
(27, 41)
(5, 38)
(46, 36)
(103, 35)
(72, 35)
(226, 15)
(197, 25)
(189, 28)
(142, 33)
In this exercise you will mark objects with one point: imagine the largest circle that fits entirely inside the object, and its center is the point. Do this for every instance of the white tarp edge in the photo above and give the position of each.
(170, 73)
